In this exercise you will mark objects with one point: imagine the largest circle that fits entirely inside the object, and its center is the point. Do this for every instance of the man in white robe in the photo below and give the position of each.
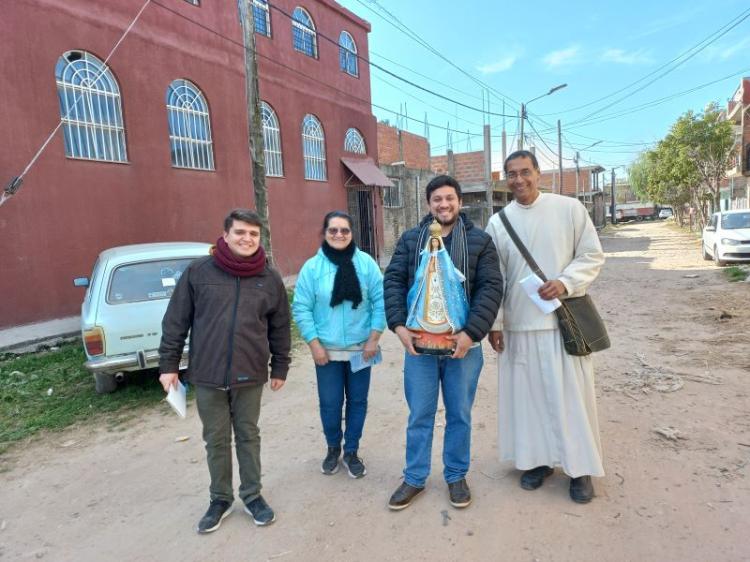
(546, 404)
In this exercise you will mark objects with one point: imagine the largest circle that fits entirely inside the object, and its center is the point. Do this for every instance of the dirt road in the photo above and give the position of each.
(673, 408)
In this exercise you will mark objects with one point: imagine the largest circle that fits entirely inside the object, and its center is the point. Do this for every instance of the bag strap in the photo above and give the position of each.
(521, 248)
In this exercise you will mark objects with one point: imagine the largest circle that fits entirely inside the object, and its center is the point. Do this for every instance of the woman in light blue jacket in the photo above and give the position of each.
(338, 307)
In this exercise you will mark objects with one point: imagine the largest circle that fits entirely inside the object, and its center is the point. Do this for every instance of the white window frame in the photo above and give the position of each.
(260, 10)
(348, 54)
(272, 141)
(304, 26)
(90, 108)
(388, 198)
(189, 125)
(354, 142)
(313, 148)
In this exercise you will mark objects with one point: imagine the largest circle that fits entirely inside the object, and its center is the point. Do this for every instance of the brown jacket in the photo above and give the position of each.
(236, 325)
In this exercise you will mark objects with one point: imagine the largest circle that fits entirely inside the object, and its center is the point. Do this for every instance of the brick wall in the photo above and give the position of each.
(468, 166)
(550, 180)
(396, 146)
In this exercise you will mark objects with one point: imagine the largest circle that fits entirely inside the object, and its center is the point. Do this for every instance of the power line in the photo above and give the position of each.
(425, 103)
(665, 65)
(394, 75)
(656, 102)
(403, 28)
(425, 76)
(683, 61)
(16, 182)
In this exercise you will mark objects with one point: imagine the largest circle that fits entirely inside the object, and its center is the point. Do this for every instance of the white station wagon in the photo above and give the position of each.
(125, 301)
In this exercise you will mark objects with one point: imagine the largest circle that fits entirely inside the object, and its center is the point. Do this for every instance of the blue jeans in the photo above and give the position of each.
(458, 378)
(335, 379)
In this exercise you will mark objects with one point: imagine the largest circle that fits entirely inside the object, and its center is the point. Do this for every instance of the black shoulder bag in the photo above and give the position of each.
(581, 327)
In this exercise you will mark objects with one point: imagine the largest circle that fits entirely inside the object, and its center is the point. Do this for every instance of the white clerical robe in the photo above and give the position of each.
(546, 400)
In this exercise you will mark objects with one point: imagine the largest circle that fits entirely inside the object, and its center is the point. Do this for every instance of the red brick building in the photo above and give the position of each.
(153, 147)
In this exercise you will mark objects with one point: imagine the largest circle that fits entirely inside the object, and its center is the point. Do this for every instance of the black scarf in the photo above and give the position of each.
(346, 285)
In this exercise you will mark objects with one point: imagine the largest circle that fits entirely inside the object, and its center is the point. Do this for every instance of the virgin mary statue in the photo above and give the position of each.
(436, 302)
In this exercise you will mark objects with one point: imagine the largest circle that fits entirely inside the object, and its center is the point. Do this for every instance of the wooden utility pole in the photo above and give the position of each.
(523, 116)
(559, 157)
(255, 134)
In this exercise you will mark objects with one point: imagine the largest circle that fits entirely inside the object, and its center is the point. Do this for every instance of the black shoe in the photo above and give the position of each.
(534, 478)
(260, 511)
(354, 465)
(403, 496)
(217, 511)
(581, 489)
(459, 493)
(331, 462)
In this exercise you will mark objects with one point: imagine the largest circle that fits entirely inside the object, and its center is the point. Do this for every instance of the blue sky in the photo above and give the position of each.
(520, 51)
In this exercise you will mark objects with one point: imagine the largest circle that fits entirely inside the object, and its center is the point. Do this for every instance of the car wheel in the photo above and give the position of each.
(717, 261)
(706, 255)
(104, 383)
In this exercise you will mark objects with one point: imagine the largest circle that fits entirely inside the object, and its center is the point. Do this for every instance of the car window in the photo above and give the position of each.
(735, 220)
(714, 220)
(145, 281)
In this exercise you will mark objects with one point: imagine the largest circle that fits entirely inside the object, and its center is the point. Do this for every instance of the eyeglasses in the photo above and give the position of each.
(333, 231)
(525, 173)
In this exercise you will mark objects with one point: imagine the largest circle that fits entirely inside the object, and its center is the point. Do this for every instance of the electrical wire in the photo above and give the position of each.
(744, 14)
(663, 74)
(15, 183)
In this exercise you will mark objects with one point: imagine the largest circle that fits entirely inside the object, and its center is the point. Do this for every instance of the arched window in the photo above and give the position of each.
(348, 54)
(189, 127)
(304, 38)
(272, 141)
(90, 108)
(354, 142)
(313, 148)
(262, 17)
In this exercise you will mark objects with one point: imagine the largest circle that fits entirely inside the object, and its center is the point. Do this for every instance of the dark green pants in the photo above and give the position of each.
(221, 411)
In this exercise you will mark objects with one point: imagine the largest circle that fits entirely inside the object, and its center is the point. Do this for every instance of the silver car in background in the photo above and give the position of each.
(126, 297)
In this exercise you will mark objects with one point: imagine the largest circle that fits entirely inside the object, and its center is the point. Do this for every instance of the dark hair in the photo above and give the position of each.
(334, 215)
(441, 181)
(245, 215)
(522, 154)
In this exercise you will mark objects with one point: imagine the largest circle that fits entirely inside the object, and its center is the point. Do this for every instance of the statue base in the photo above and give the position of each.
(434, 344)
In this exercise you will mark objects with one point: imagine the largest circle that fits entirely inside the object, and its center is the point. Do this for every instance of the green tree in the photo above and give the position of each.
(687, 165)
(708, 141)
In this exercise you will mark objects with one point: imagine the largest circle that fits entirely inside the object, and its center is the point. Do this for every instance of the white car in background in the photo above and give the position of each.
(125, 301)
(726, 238)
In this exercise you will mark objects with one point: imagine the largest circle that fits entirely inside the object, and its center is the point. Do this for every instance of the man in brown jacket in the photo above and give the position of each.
(235, 307)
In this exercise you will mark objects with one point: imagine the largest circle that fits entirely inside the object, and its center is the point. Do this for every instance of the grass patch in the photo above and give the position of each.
(50, 390)
(735, 273)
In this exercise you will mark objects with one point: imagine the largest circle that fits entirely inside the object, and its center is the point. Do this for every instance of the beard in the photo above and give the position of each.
(447, 222)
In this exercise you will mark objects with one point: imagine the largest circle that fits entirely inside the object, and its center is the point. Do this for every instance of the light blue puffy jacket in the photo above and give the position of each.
(341, 326)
